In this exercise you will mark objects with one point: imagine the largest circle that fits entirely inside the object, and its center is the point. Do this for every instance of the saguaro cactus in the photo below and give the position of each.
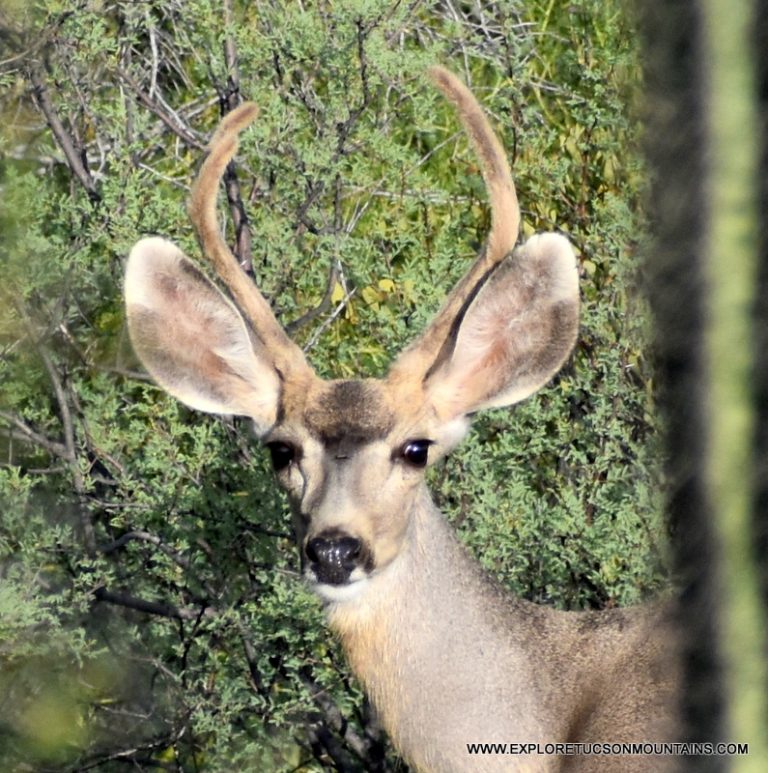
(710, 313)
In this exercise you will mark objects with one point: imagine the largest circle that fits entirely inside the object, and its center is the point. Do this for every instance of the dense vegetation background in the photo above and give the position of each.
(150, 607)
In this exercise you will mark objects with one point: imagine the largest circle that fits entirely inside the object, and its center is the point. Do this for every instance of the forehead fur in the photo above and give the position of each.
(349, 409)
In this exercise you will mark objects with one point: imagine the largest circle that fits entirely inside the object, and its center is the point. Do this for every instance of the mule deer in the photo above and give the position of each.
(447, 657)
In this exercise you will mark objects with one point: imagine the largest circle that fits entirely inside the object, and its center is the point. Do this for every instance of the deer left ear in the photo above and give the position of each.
(193, 340)
(515, 334)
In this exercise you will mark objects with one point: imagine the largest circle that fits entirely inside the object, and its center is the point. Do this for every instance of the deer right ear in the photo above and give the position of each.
(515, 333)
(193, 340)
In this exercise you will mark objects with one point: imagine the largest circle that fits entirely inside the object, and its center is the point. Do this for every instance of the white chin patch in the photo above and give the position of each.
(335, 593)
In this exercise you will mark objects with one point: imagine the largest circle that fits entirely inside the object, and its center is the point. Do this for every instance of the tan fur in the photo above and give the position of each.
(287, 356)
(447, 657)
(536, 674)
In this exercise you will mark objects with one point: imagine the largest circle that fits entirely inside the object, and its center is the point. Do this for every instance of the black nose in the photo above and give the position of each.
(334, 558)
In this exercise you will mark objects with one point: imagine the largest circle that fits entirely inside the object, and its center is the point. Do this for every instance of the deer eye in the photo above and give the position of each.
(282, 455)
(416, 452)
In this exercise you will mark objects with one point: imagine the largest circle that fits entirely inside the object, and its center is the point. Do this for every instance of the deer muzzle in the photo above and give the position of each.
(334, 556)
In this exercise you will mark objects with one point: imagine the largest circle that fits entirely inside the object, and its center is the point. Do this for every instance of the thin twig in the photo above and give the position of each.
(328, 322)
(163, 112)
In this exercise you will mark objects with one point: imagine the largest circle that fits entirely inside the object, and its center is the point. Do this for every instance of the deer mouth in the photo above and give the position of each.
(331, 593)
(334, 573)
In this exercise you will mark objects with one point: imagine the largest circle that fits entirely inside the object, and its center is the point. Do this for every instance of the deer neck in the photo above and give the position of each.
(440, 649)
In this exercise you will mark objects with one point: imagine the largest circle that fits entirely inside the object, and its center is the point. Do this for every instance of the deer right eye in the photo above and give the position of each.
(282, 455)
(416, 452)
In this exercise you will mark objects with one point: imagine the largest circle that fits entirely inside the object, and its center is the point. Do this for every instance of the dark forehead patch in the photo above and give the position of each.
(354, 410)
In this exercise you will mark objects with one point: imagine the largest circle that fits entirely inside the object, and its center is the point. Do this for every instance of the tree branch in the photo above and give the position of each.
(229, 98)
(231, 59)
(322, 307)
(75, 158)
(145, 536)
(335, 721)
(153, 607)
(27, 435)
(65, 413)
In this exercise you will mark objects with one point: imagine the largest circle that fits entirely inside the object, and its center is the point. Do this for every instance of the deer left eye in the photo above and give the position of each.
(416, 452)
(282, 455)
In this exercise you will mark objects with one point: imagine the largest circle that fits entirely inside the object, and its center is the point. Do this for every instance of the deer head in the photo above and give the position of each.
(352, 453)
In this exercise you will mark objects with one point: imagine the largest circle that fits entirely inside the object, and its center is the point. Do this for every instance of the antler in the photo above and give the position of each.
(435, 342)
(285, 354)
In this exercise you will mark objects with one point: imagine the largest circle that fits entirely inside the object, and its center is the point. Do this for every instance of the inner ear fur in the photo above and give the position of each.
(515, 334)
(192, 339)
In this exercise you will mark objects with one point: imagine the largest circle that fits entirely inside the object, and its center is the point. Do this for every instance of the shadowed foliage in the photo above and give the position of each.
(150, 607)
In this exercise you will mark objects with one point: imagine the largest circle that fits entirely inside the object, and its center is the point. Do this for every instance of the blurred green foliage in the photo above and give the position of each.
(150, 607)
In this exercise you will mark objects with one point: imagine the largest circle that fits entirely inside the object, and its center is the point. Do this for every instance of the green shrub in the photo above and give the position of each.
(150, 608)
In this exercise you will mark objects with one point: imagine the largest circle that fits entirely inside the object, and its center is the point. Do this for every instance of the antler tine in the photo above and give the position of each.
(423, 353)
(284, 352)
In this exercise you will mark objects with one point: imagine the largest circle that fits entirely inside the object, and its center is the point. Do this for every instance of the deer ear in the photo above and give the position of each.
(193, 340)
(515, 333)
